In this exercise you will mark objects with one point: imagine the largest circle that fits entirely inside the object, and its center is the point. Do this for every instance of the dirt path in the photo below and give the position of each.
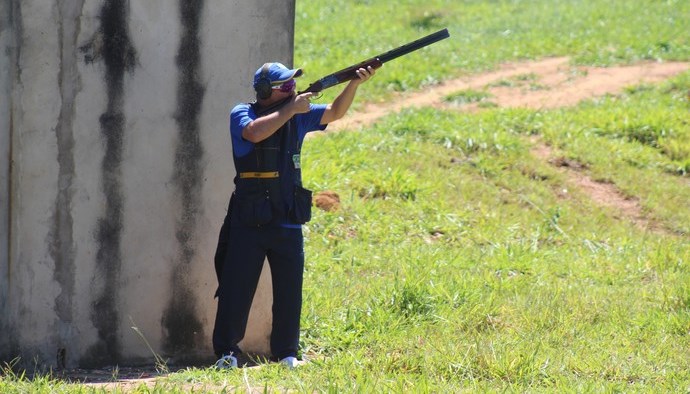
(548, 83)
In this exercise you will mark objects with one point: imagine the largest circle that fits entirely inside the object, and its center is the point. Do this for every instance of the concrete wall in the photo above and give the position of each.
(115, 171)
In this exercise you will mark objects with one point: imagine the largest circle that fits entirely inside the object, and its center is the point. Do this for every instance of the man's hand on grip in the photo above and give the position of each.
(300, 104)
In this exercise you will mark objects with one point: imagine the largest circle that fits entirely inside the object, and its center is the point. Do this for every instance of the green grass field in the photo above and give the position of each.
(459, 262)
(334, 34)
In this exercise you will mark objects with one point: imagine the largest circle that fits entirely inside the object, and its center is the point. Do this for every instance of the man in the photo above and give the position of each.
(268, 207)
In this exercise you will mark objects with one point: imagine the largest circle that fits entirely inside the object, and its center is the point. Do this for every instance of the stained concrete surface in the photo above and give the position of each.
(115, 170)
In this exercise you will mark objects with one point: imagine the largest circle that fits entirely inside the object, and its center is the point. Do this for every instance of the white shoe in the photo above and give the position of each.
(290, 362)
(226, 362)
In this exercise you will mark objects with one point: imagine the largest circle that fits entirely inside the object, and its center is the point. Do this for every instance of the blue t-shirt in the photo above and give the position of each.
(243, 114)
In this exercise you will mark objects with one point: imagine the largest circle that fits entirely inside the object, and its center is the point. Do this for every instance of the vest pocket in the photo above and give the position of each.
(255, 209)
(300, 212)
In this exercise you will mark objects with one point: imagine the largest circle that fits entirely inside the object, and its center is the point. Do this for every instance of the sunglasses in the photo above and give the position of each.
(286, 87)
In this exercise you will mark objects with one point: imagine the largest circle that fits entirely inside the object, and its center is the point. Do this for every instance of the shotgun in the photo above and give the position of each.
(350, 73)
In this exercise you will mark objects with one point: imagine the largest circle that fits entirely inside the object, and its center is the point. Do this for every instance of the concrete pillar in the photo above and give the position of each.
(115, 171)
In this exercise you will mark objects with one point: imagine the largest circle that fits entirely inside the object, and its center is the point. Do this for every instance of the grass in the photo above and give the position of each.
(335, 34)
(467, 97)
(475, 274)
(458, 262)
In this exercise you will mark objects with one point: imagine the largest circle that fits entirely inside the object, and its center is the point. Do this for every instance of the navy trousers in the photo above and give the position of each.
(246, 249)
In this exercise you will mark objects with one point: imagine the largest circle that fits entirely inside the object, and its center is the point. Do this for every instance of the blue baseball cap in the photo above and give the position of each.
(277, 73)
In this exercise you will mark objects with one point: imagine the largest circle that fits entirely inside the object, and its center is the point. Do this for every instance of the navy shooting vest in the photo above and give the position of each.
(268, 184)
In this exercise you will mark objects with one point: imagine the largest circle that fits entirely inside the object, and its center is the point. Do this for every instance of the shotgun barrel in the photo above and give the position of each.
(350, 73)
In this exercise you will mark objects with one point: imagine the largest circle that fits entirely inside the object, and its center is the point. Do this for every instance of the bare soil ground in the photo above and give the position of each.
(546, 83)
